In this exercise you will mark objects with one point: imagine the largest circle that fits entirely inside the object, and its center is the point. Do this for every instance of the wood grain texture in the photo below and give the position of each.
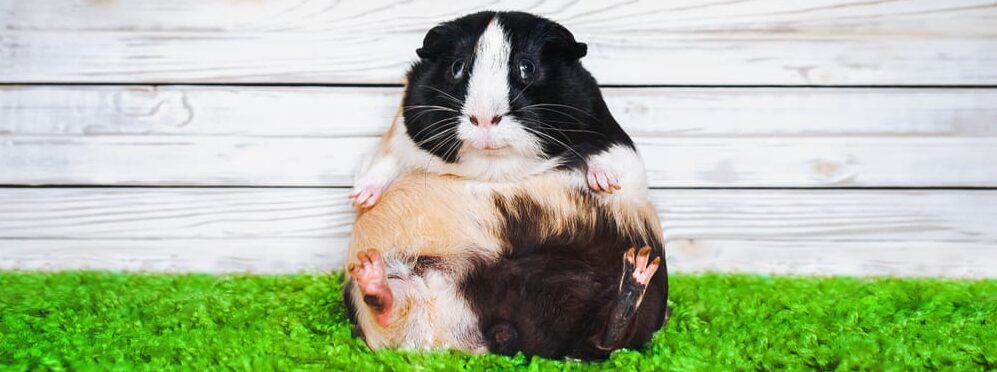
(690, 137)
(923, 259)
(854, 232)
(275, 256)
(768, 42)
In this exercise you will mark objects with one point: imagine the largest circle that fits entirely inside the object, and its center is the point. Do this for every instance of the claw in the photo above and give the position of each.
(629, 256)
(602, 178)
(366, 196)
(643, 271)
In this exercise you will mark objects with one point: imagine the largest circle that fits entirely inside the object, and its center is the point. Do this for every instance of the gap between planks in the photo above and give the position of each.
(166, 84)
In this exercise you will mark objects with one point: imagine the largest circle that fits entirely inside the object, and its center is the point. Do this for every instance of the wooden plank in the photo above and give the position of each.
(184, 160)
(336, 112)
(286, 255)
(298, 112)
(866, 258)
(210, 213)
(691, 137)
(910, 259)
(829, 215)
(853, 232)
(824, 42)
(681, 162)
(173, 213)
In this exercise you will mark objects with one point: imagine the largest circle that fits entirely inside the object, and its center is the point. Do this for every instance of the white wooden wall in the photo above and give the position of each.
(805, 137)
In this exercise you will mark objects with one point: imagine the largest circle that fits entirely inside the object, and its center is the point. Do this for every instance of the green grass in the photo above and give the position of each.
(88, 320)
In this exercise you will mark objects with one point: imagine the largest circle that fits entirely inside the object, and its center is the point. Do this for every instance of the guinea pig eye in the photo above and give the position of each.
(526, 69)
(457, 68)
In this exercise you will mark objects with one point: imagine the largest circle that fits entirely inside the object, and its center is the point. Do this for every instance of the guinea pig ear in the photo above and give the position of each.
(563, 42)
(435, 43)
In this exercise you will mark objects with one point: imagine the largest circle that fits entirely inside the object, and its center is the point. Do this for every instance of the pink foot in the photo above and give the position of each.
(373, 283)
(365, 196)
(602, 178)
(642, 269)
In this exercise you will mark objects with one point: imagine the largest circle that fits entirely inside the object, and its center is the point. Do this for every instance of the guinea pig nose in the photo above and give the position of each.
(476, 120)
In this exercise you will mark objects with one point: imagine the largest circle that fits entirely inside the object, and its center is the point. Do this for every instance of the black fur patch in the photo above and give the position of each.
(557, 293)
(351, 309)
(423, 263)
(374, 302)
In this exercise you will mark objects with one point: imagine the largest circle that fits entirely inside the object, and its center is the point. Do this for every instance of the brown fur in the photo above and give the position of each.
(427, 215)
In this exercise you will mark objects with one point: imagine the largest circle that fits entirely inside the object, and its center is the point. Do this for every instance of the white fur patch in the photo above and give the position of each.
(629, 166)
(429, 313)
(379, 170)
(488, 87)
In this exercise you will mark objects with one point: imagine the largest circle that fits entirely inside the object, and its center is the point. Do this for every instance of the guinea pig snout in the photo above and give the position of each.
(485, 120)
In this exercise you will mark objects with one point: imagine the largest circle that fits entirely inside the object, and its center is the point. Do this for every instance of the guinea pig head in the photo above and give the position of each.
(499, 84)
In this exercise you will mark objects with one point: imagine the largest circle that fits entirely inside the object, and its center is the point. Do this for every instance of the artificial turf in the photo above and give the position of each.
(94, 320)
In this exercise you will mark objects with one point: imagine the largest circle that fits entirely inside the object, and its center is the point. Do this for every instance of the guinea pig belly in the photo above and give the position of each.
(531, 267)
(429, 312)
(424, 215)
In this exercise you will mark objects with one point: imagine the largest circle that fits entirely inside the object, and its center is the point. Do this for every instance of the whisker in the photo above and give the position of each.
(429, 107)
(445, 95)
(561, 134)
(445, 142)
(439, 122)
(521, 93)
(548, 126)
(454, 147)
(436, 135)
(555, 111)
(442, 143)
(566, 147)
(560, 105)
(418, 115)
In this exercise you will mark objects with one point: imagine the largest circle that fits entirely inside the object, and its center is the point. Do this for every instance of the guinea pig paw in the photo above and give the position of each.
(366, 196)
(644, 268)
(370, 277)
(602, 178)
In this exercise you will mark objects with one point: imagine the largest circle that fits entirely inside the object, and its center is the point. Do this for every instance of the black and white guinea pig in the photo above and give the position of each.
(500, 96)
(505, 227)
(543, 266)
